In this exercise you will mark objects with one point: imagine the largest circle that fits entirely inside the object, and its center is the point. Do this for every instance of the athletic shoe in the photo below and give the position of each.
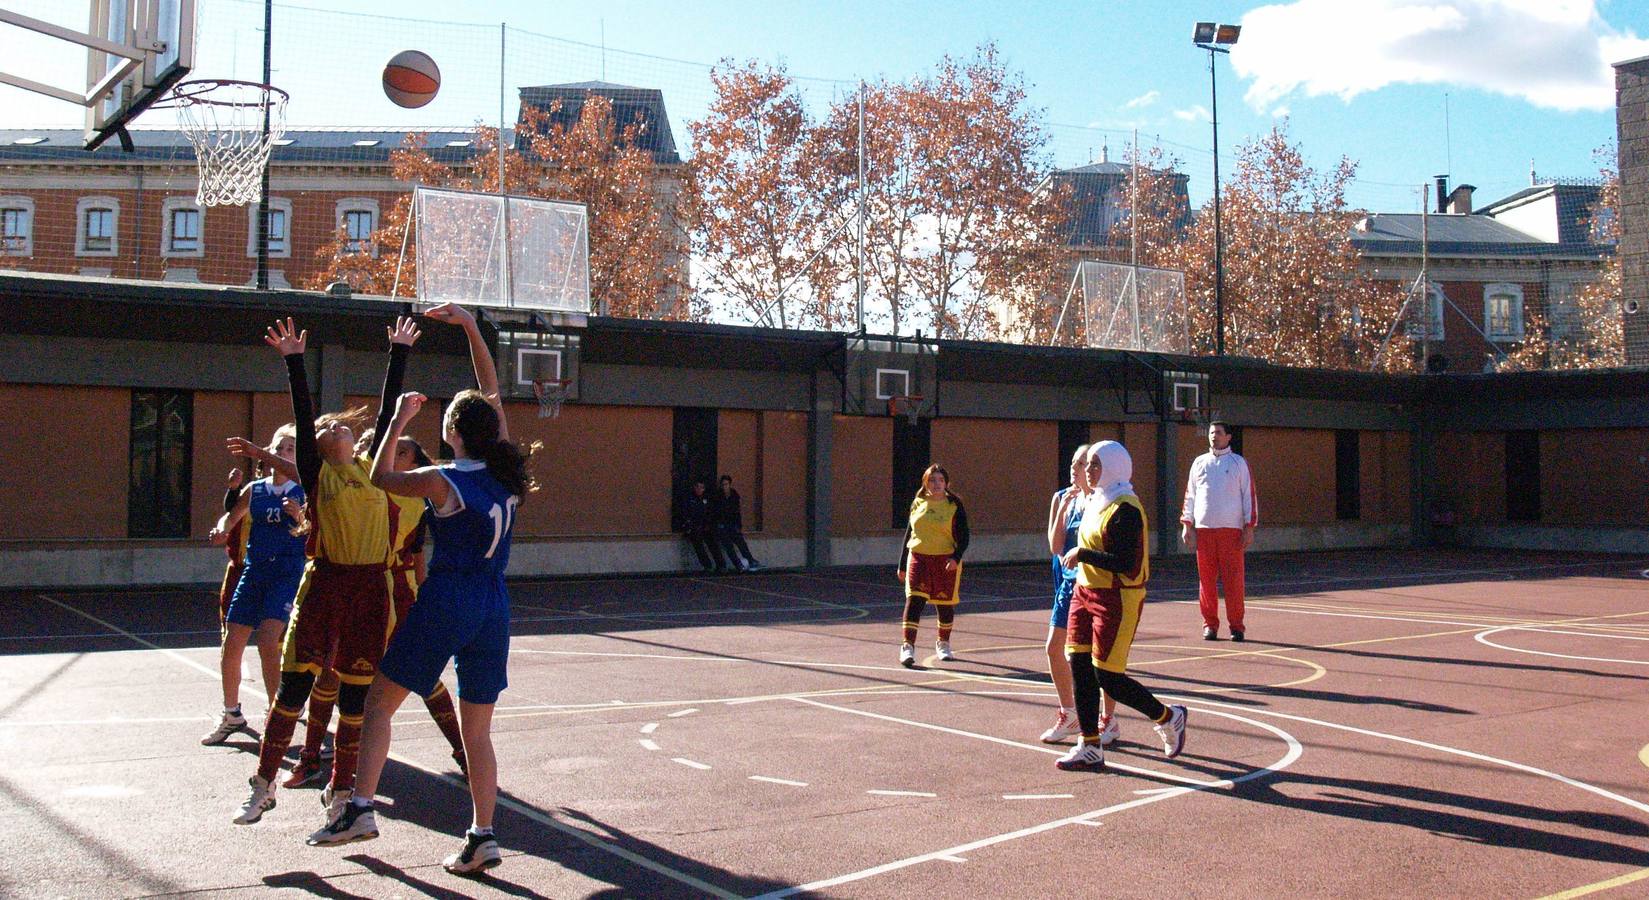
(1109, 730)
(479, 854)
(260, 801)
(231, 722)
(352, 823)
(1210, 633)
(326, 746)
(907, 656)
(1172, 731)
(754, 567)
(1237, 636)
(334, 800)
(1065, 725)
(1083, 758)
(307, 771)
(943, 649)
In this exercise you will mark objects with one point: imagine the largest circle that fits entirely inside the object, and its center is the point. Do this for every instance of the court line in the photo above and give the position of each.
(778, 781)
(860, 611)
(1582, 891)
(1042, 796)
(1643, 755)
(1482, 637)
(882, 793)
(216, 674)
(689, 763)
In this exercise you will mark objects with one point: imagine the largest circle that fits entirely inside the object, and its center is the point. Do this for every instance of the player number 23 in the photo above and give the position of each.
(502, 518)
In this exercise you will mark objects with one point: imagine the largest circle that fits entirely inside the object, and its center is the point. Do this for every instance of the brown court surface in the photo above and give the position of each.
(1400, 723)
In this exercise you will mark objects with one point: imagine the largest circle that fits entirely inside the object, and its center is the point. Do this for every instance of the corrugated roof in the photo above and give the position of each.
(298, 145)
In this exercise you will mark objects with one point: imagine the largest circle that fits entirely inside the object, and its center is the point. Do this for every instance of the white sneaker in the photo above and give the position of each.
(1083, 758)
(907, 656)
(1109, 730)
(352, 823)
(1065, 725)
(480, 853)
(754, 567)
(231, 722)
(260, 801)
(943, 649)
(335, 801)
(1172, 731)
(326, 746)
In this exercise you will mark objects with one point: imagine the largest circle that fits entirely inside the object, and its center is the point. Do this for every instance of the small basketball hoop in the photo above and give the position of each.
(551, 393)
(223, 120)
(909, 404)
(1196, 415)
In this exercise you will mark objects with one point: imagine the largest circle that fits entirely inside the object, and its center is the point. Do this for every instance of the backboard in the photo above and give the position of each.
(136, 50)
(513, 252)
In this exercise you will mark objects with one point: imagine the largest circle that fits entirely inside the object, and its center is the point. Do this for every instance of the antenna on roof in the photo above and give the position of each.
(1532, 179)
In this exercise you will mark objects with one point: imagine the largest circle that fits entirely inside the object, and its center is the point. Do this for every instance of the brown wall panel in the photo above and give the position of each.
(1595, 477)
(1384, 480)
(1293, 471)
(784, 475)
(1002, 468)
(739, 453)
(861, 475)
(1471, 475)
(1141, 440)
(68, 480)
(218, 415)
(603, 470)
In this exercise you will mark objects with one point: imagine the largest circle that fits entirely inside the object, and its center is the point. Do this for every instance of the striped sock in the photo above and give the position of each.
(347, 752)
(439, 704)
(910, 632)
(277, 736)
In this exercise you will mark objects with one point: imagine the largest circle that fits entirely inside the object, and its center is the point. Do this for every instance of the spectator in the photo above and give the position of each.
(729, 520)
(698, 526)
(1217, 522)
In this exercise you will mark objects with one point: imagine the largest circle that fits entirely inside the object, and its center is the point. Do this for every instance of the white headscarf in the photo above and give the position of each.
(1117, 470)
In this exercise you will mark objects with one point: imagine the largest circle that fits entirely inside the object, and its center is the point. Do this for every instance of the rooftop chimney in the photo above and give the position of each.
(1460, 200)
(1442, 193)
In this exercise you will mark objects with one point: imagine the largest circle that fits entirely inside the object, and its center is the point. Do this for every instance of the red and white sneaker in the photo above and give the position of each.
(1172, 731)
(1109, 730)
(307, 770)
(1065, 725)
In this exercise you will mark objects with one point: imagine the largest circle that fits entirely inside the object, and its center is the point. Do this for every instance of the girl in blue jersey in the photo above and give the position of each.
(1064, 522)
(462, 613)
(262, 599)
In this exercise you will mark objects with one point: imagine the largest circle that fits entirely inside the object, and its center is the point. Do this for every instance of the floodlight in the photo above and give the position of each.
(1204, 33)
(1227, 34)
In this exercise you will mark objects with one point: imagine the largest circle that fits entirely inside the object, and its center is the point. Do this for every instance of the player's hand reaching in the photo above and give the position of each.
(286, 338)
(236, 476)
(407, 407)
(405, 331)
(216, 537)
(452, 314)
(239, 446)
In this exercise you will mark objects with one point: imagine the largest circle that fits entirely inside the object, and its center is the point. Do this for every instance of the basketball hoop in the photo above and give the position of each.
(223, 120)
(551, 393)
(1196, 415)
(911, 403)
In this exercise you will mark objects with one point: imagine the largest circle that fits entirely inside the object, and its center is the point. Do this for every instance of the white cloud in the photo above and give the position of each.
(1551, 53)
(1143, 100)
(1193, 113)
(1280, 112)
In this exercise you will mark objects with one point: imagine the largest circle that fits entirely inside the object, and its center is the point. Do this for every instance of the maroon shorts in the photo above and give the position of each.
(404, 590)
(342, 619)
(231, 577)
(925, 577)
(1103, 622)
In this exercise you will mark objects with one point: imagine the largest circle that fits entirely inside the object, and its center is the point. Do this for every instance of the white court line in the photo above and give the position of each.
(1482, 637)
(682, 712)
(881, 793)
(647, 744)
(649, 728)
(1047, 796)
(778, 781)
(676, 656)
(54, 723)
(216, 674)
(1386, 618)
(954, 859)
(689, 763)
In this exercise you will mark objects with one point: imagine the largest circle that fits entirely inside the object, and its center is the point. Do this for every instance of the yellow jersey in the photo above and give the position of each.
(405, 514)
(931, 527)
(1091, 536)
(351, 524)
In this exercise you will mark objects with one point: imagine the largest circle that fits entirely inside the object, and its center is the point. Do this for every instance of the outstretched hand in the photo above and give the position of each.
(236, 475)
(239, 446)
(405, 331)
(452, 314)
(286, 338)
(407, 406)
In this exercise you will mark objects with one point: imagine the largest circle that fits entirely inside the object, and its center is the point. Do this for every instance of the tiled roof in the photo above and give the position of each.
(297, 145)
(630, 105)
(1478, 235)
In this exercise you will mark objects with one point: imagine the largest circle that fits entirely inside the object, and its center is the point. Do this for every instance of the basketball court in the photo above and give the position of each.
(1403, 723)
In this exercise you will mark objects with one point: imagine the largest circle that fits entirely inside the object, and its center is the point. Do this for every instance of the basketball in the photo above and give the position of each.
(411, 79)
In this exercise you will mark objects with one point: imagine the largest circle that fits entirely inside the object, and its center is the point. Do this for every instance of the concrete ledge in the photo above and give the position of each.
(1338, 536)
(1599, 538)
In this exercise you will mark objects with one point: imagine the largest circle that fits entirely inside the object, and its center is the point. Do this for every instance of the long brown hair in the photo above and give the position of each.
(476, 421)
(936, 469)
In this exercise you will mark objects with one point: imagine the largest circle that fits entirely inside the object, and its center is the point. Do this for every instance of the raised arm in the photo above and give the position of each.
(290, 343)
(427, 482)
(401, 338)
(232, 516)
(1059, 516)
(486, 374)
(240, 446)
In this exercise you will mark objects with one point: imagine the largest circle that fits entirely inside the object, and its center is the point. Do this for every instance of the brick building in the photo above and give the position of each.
(1632, 122)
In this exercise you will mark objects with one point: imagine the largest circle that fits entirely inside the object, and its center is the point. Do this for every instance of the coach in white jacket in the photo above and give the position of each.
(1221, 510)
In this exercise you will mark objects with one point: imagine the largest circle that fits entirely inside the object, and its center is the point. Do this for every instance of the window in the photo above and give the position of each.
(160, 447)
(97, 232)
(280, 218)
(16, 226)
(1563, 311)
(182, 228)
(1503, 311)
(358, 217)
(1436, 302)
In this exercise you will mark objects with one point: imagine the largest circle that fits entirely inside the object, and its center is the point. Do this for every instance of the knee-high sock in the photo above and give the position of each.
(321, 700)
(1085, 689)
(347, 747)
(913, 617)
(1129, 692)
(439, 704)
(283, 720)
(947, 617)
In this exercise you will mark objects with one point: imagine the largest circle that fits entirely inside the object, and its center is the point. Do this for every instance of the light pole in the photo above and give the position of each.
(1210, 37)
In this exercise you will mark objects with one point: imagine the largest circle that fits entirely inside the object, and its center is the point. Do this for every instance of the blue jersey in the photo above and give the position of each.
(475, 538)
(1064, 578)
(271, 534)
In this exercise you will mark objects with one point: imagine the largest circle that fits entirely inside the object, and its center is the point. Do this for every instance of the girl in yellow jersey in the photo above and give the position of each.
(1105, 607)
(930, 561)
(344, 611)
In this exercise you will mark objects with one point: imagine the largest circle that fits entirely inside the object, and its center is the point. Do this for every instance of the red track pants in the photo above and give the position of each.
(1219, 556)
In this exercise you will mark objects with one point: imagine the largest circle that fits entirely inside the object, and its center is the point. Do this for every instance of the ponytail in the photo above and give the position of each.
(476, 422)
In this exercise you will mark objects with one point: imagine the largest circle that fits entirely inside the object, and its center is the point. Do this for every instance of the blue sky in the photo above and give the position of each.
(1522, 79)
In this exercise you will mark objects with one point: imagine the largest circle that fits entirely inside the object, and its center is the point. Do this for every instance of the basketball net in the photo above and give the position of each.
(223, 120)
(551, 393)
(910, 405)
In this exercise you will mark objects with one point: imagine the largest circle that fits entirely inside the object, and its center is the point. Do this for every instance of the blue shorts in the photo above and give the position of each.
(457, 617)
(1062, 604)
(265, 591)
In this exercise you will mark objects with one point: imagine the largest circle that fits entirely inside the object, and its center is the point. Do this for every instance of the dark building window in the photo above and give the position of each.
(694, 437)
(161, 441)
(1348, 465)
(1071, 436)
(1523, 476)
(912, 448)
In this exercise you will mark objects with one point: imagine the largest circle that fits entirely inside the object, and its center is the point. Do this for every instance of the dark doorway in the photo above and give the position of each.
(1523, 476)
(912, 446)
(1348, 470)
(693, 439)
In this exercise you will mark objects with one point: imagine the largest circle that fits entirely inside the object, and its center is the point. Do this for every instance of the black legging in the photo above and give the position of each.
(913, 611)
(1087, 682)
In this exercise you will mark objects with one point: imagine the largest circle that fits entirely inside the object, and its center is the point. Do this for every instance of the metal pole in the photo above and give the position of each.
(505, 282)
(263, 181)
(1133, 240)
(1425, 281)
(1219, 260)
(859, 255)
